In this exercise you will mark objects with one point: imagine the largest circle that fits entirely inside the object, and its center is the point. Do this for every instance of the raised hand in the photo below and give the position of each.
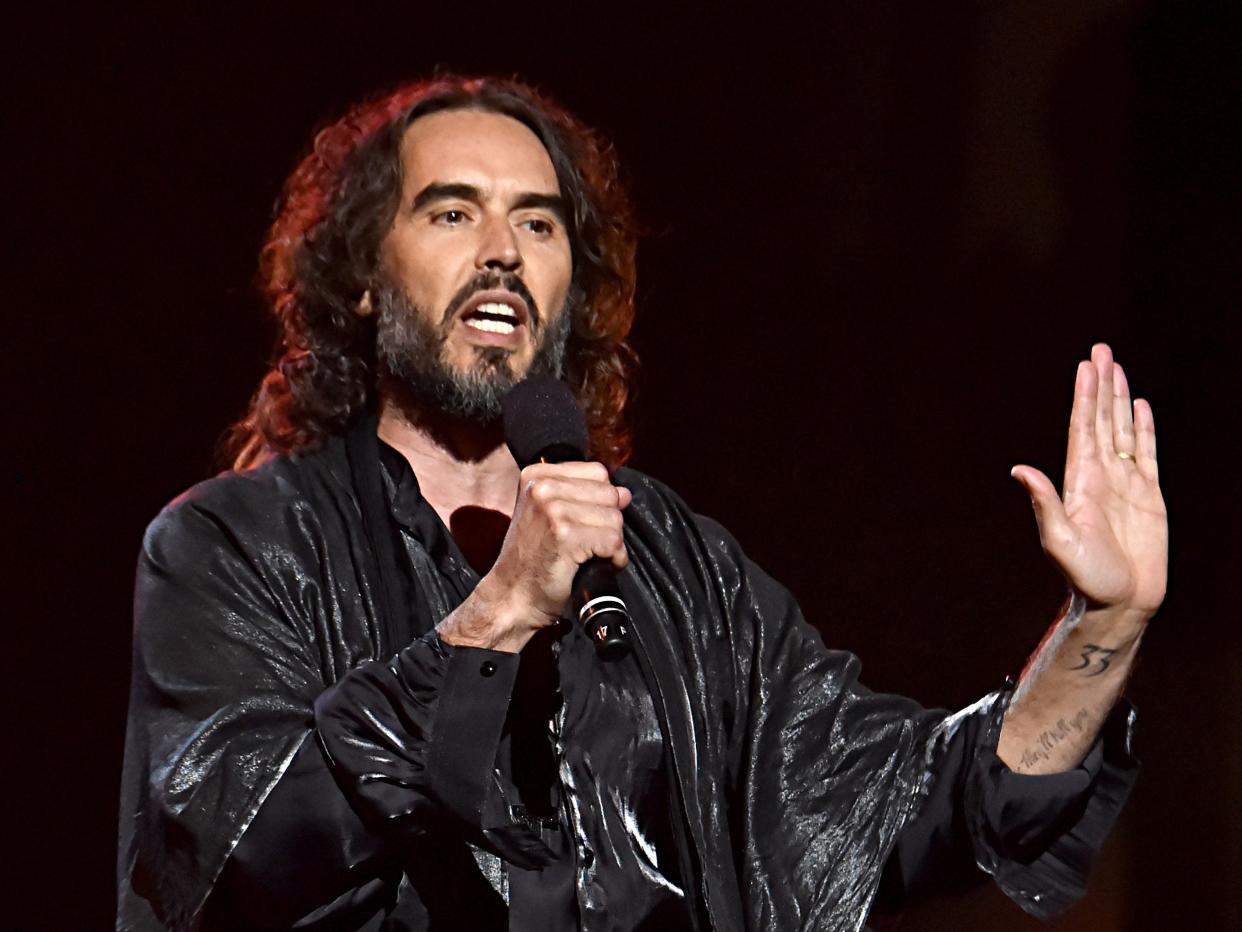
(1109, 533)
(1109, 536)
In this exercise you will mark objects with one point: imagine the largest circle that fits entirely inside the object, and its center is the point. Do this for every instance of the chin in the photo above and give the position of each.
(490, 359)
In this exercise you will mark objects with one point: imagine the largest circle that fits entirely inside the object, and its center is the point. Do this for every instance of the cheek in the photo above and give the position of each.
(422, 269)
(559, 273)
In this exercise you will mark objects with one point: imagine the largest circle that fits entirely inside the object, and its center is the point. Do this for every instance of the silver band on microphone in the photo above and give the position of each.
(600, 604)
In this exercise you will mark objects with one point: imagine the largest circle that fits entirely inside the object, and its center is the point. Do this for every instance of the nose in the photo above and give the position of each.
(498, 248)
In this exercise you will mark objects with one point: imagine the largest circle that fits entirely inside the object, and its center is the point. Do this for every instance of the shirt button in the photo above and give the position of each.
(488, 668)
(588, 857)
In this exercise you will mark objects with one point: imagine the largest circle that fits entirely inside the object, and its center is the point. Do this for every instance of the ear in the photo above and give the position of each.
(364, 307)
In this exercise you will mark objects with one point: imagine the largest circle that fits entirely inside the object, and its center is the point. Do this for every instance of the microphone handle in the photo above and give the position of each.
(596, 601)
(599, 608)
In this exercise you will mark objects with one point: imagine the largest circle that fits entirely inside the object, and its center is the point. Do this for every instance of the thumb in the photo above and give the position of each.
(1056, 534)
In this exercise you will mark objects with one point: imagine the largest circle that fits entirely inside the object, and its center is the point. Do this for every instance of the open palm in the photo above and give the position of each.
(1109, 534)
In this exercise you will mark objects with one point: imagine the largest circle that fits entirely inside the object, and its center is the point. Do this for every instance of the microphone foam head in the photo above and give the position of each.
(541, 416)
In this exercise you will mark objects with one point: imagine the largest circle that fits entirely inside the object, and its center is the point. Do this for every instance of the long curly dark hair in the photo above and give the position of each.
(321, 252)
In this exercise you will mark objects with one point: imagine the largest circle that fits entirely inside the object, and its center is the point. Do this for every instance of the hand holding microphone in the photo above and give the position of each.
(564, 544)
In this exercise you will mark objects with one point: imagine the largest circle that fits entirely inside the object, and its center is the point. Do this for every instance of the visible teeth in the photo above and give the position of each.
(502, 309)
(490, 326)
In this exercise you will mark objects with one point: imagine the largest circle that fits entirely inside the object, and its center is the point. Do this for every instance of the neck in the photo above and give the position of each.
(459, 464)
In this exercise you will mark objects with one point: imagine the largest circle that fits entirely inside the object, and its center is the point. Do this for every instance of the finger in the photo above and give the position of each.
(582, 470)
(604, 542)
(1145, 439)
(1102, 360)
(548, 489)
(620, 557)
(1123, 420)
(1056, 533)
(573, 515)
(1082, 416)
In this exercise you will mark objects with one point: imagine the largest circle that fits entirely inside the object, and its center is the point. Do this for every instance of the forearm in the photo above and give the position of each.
(305, 848)
(1068, 689)
(378, 724)
(415, 738)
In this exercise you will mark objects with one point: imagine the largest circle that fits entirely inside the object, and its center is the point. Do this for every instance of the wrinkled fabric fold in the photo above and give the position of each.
(1020, 816)
(376, 726)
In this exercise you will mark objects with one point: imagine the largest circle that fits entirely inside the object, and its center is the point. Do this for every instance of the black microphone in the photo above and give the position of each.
(543, 424)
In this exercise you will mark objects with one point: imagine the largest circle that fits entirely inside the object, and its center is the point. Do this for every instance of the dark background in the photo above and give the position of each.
(881, 236)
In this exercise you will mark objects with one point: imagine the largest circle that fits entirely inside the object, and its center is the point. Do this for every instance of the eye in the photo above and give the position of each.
(450, 217)
(539, 226)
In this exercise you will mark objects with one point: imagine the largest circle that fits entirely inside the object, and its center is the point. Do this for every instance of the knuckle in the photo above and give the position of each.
(598, 471)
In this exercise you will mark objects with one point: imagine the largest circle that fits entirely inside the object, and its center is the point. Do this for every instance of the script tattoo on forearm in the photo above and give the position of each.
(1048, 740)
(1093, 654)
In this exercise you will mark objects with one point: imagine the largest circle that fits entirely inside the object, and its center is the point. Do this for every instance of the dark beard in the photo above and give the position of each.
(410, 351)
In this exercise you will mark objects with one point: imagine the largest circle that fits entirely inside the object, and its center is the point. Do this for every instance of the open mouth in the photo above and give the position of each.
(493, 317)
(496, 317)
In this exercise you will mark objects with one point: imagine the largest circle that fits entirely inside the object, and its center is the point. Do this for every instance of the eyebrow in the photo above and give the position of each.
(449, 191)
(552, 203)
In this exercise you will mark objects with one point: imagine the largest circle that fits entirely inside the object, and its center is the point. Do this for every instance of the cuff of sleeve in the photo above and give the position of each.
(1025, 812)
(1037, 835)
(474, 702)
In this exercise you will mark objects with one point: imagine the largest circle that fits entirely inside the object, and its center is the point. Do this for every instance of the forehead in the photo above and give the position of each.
(489, 150)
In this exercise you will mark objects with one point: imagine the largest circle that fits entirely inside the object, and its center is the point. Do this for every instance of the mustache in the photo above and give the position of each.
(492, 280)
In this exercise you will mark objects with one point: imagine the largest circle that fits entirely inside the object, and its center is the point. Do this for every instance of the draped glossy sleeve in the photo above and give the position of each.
(224, 680)
(821, 773)
(414, 742)
(253, 600)
(849, 770)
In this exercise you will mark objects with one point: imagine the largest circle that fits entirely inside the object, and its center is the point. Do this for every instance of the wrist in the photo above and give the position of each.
(494, 617)
(1120, 620)
(1124, 625)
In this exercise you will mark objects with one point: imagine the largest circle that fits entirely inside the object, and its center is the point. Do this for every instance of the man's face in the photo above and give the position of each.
(476, 268)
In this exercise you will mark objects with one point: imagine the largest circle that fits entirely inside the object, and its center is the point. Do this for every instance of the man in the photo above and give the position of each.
(355, 701)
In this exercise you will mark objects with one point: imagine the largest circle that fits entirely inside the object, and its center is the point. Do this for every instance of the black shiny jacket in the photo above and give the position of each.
(257, 591)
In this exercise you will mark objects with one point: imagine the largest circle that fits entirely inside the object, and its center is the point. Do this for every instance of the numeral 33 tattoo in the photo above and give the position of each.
(1093, 654)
